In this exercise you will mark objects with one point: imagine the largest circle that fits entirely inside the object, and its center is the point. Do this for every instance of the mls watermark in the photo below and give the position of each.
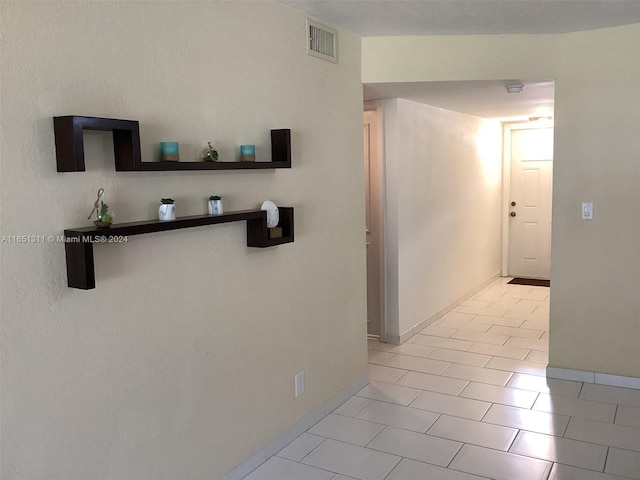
(33, 239)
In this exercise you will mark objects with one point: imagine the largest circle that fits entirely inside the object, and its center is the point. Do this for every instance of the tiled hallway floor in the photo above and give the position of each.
(466, 399)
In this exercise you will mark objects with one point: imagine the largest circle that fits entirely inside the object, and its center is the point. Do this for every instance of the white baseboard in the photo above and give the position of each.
(399, 340)
(592, 377)
(294, 432)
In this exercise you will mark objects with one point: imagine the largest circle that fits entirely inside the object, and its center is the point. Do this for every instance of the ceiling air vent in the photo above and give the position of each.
(322, 41)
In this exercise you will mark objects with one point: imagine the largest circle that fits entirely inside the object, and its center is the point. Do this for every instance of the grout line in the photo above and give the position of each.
(534, 403)
(366, 445)
(485, 413)
(553, 464)
(615, 415)
(335, 474)
(462, 444)
(313, 449)
(581, 387)
(564, 432)
(370, 401)
(388, 476)
(393, 355)
(518, 430)
(606, 459)
(400, 378)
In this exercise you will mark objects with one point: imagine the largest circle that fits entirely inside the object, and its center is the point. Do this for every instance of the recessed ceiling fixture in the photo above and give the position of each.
(514, 87)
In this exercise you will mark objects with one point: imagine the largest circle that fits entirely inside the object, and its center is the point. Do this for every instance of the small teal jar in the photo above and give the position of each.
(247, 153)
(169, 151)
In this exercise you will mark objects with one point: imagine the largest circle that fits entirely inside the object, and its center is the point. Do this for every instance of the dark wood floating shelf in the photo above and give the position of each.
(79, 241)
(126, 148)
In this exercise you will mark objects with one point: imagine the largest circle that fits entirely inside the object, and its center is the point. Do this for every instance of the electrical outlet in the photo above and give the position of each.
(299, 383)
(587, 211)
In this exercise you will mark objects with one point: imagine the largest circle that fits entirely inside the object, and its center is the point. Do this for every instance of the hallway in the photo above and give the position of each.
(467, 399)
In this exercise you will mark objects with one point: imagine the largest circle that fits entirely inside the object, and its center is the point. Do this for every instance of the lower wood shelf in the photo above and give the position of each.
(79, 241)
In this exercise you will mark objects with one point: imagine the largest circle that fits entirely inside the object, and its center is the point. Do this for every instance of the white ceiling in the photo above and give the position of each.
(465, 17)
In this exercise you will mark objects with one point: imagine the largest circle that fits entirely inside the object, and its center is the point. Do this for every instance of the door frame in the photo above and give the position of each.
(377, 128)
(507, 129)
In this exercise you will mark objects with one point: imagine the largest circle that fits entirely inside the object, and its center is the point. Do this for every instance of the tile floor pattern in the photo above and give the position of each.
(467, 399)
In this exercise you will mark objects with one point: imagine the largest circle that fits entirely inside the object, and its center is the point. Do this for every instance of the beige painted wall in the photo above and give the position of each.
(459, 57)
(595, 306)
(443, 192)
(595, 300)
(180, 363)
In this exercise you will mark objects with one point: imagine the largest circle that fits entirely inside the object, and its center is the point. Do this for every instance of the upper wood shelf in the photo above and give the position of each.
(126, 148)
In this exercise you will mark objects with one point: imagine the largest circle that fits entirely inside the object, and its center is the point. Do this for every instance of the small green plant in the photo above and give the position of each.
(103, 213)
(167, 201)
(209, 154)
(215, 197)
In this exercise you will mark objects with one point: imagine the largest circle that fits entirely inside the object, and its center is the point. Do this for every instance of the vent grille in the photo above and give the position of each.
(322, 41)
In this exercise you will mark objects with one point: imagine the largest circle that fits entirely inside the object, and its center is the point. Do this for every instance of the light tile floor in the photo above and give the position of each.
(467, 399)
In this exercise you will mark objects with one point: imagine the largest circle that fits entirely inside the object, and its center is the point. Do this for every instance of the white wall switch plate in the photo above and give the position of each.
(299, 382)
(587, 211)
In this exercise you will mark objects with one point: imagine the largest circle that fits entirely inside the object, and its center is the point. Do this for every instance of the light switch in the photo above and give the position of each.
(299, 383)
(587, 211)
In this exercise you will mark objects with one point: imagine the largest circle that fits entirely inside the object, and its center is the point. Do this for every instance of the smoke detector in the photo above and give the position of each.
(514, 87)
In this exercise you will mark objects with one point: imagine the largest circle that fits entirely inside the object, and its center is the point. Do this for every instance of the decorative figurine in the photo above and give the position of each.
(104, 215)
(209, 154)
(273, 218)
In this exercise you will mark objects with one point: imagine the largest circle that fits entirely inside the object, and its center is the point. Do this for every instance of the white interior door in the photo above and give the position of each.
(373, 193)
(530, 202)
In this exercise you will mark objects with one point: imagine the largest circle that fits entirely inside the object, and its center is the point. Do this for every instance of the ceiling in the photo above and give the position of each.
(466, 17)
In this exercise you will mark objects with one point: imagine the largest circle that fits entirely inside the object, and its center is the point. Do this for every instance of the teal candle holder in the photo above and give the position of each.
(247, 153)
(169, 152)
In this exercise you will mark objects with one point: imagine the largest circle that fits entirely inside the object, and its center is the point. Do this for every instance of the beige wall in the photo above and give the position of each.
(595, 300)
(459, 57)
(595, 306)
(443, 193)
(180, 363)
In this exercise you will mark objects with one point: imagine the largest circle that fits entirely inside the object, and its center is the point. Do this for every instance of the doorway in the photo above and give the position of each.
(528, 180)
(373, 176)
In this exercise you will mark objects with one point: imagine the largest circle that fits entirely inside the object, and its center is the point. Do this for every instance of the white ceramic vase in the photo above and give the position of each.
(167, 211)
(215, 207)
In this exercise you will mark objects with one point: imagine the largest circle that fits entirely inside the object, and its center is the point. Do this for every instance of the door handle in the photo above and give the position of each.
(513, 214)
